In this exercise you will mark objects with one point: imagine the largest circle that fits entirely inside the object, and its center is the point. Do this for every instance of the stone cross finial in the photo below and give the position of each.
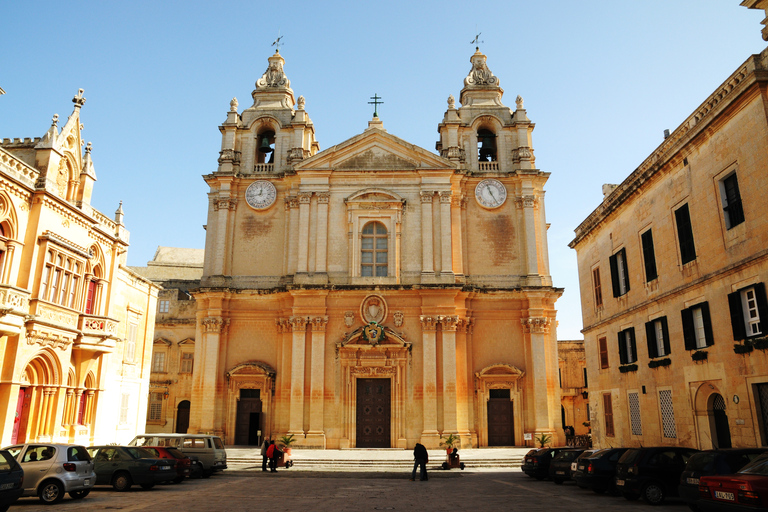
(55, 120)
(233, 105)
(78, 100)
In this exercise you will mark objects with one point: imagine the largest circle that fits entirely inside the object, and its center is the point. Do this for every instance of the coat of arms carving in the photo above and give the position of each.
(373, 309)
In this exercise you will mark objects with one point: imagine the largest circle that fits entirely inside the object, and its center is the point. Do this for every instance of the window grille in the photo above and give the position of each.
(634, 414)
(155, 406)
(124, 404)
(667, 413)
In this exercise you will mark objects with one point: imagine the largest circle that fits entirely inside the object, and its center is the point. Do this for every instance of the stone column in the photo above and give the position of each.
(429, 436)
(446, 265)
(222, 204)
(316, 434)
(296, 411)
(8, 262)
(427, 263)
(322, 232)
(304, 200)
(76, 407)
(281, 410)
(537, 332)
(449, 325)
(206, 370)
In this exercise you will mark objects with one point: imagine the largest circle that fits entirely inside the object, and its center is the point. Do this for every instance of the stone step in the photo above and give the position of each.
(342, 464)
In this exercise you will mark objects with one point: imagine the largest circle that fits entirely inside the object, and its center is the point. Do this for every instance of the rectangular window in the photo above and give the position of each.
(560, 376)
(649, 256)
(187, 360)
(627, 347)
(164, 306)
(130, 343)
(667, 414)
(584, 370)
(608, 414)
(158, 362)
(731, 200)
(125, 402)
(761, 396)
(697, 327)
(155, 409)
(634, 414)
(598, 287)
(603, 345)
(748, 308)
(619, 273)
(685, 234)
(657, 335)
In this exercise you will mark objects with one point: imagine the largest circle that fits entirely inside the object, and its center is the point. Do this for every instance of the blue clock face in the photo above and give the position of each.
(491, 193)
(260, 195)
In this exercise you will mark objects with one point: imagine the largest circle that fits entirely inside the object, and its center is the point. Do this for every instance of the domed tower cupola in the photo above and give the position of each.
(272, 134)
(483, 134)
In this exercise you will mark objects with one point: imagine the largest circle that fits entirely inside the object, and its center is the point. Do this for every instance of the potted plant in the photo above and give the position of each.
(449, 442)
(286, 441)
(543, 439)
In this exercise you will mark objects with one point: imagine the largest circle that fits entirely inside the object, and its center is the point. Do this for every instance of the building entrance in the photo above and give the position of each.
(182, 417)
(248, 421)
(374, 413)
(501, 427)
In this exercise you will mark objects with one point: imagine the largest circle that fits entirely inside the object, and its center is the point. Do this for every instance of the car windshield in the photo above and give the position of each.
(217, 443)
(567, 455)
(701, 462)
(756, 467)
(176, 453)
(140, 453)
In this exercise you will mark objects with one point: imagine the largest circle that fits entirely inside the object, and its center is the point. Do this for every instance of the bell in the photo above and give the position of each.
(488, 148)
(265, 147)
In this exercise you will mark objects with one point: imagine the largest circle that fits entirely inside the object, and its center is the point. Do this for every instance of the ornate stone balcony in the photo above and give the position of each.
(14, 307)
(97, 333)
(489, 166)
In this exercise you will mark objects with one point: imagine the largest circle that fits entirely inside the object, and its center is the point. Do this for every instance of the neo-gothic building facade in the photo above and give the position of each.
(376, 294)
(75, 323)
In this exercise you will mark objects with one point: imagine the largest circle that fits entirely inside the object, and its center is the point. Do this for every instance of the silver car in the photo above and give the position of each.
(51, 470)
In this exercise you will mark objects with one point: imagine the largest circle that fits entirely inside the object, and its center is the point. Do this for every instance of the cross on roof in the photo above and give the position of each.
(375, 104)
(276, 43)
(476, 41)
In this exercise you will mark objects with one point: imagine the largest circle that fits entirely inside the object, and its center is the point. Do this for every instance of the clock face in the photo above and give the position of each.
(260, 194)
(491, 193)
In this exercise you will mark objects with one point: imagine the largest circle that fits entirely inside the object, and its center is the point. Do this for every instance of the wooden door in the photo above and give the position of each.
(374, 413)
(182, 417)
(501, 426)
(247, 421)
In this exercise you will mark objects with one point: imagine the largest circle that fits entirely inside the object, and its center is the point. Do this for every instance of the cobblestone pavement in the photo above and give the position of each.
(233, 491)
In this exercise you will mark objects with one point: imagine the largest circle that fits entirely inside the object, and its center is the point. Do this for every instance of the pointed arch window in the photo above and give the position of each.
(373, 257)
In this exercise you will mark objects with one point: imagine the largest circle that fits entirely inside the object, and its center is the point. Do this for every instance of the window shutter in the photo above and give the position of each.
(626, 269)
(689, 331)
(622, 349)
(650, 334)
(615, 276)
(762, 306)
(665, 334)
(649, 256)
(633, 343)
(707, 324)
(603, 352)
(737, 316)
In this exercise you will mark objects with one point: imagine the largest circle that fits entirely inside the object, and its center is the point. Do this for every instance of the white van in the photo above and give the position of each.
(209, 450)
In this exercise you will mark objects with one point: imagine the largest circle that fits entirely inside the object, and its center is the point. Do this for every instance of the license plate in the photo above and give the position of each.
(619, 482)
(581, 468)
(87, 481)
(573, 467)
(6, 486)
(724, 495)
(559, 472)
(692, 481)
(162, 468)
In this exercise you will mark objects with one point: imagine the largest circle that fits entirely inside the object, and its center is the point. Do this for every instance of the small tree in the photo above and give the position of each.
(449, 441)
(287, 440)
(543, 439)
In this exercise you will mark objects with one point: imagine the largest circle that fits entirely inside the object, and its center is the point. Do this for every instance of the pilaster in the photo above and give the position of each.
(446, 254)
(304, 201)
(316, 433)
(449, 325)
(536, 330)
(427, 257)
(207, 364)
(322, 232)
(429, 436)
(296, 413)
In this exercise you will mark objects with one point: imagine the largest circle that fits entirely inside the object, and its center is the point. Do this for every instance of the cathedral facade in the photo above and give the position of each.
(376, 294)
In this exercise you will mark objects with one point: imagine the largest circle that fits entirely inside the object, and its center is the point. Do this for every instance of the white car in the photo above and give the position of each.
(52, 470)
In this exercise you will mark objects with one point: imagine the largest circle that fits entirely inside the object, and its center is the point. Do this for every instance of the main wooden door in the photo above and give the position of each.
(248, 421)
(182, 417)
(374, 413)
(501, 426)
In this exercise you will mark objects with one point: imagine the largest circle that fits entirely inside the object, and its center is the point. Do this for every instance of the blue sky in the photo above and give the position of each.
(601, 80)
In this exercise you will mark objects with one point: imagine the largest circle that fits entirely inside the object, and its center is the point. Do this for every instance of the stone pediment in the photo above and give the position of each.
(374, 150)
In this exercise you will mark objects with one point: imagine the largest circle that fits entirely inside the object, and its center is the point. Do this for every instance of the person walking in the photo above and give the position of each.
(271, 456)
(420, 459)
(264, 457)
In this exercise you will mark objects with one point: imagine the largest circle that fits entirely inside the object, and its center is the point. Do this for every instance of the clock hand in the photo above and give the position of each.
(490, 191)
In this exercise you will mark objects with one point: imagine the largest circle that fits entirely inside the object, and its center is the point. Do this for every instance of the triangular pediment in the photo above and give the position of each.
(374, 150)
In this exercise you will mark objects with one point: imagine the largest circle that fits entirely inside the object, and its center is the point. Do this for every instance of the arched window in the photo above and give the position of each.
(486, 146)
(374, 250)
(265, 147)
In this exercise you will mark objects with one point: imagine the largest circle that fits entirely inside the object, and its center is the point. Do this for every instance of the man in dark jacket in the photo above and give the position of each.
(420, 459)
(264, 457)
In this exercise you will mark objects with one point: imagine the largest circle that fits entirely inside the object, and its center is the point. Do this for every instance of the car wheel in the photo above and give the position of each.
(653, 494)
(147, 486)
(629, 496)
(51, 492)
(78, 495)
(121, 482)
(4, 508)
(178, 479)
(558, 481)
(207, 473)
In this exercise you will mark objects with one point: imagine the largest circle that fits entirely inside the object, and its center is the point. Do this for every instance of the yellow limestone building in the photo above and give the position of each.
(75, 323)
(376, 294)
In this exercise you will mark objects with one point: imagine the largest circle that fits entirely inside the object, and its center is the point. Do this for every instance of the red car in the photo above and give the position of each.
(745, 490)
(183, 463)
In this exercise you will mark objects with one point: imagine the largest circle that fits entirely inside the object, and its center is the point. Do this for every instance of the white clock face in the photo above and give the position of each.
(260, 194)
(491, 193)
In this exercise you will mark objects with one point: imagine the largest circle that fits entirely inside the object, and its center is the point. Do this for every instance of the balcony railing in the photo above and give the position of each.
(264, 168)
(488, 166)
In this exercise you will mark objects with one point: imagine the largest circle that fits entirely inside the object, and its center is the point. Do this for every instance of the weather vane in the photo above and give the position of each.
(476, 41)
(375, 104)
(276, 43)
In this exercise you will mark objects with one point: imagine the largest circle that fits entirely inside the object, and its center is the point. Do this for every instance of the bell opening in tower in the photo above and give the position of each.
(265, 153)
(486, 146)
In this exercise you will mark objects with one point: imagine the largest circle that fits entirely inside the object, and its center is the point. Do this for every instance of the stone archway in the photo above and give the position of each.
(718, 421)
(246, 381)
(38, 397)
(711, 419)
(500, 405)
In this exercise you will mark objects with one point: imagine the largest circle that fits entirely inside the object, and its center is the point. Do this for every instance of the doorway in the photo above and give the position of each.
(248, 420)
(182, 417)
(721, 432)
(22, 416)
(501, 423)
(374, 413)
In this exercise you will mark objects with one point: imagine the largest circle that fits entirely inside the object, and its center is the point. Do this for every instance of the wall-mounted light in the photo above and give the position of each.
(585, 394)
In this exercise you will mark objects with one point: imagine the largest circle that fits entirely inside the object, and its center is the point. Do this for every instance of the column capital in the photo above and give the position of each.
(319, 323)
(445, 196)
(298, 323)
(323, 197)
(215, 324)
(429, 323)
(291, 202)
(426, 196)
(536, 325)
(305, 197)
(449, 322)
(526, 201)
(466, 324)
(282, 325)
(225, 203)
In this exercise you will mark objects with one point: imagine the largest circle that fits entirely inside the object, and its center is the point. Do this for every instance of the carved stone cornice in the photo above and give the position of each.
(536, 325)
(526, 201)
(323, 197)
(291, 202)
(48, 339)
(426, 196)
(371, 371)
(215, 324)
(429, 323)
(453, 153)
(283, 325)
(445, 196)
(305, 197)
(296, 155)
(225, 204)
(319, 323)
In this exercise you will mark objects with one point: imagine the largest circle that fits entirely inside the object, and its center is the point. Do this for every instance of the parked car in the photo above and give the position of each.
(11, 480)
(209, 450)
(183, 463)
(123, 466)
(598, 470)
(586, 453)
(747, 489)
(712, 463)
(653, 473)
(560, 467)
(536, 464)
(52, 470)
